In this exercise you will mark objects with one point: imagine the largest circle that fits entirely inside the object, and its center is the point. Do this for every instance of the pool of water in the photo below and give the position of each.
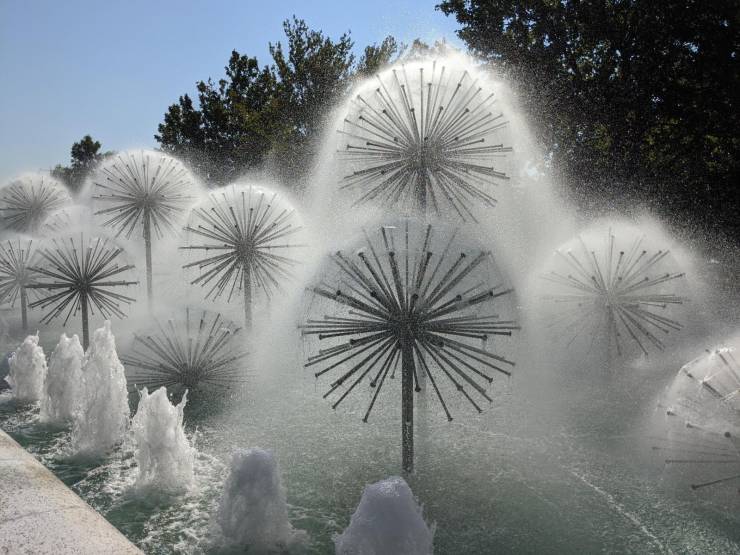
(562, 466)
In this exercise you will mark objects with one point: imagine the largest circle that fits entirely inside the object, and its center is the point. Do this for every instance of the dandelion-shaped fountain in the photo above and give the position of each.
(28, 200)
(245, 236)
(143, 190)
(78, 276)
(195, 350)
(424, 136)
(614, 291)
(409, 299)
(701, 414)
(16, 274)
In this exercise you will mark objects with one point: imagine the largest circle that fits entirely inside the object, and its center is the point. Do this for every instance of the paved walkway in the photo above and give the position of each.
(39, 515)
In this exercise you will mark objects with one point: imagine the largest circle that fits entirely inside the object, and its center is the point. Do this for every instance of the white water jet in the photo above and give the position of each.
(63, 383)
(27, 371)
(163, 452)
(102, 416)
(388, 521)
(253, 511)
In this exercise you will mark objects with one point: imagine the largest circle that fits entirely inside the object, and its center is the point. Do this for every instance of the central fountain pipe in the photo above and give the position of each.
(24, 309)
(85, 324)
(148, 249)
(247, 285)
(407, 403)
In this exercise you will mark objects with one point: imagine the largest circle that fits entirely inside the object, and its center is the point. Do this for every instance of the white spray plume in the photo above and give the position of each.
(253, 511)
(163, 452)
(102, 416)
(63, 383)
(27, 371)
(388, 521)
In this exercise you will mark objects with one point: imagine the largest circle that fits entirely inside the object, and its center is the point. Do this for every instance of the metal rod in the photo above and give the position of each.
(247, 284)
(24, 309)
(85, 325)
(148, 249)
(407, 403)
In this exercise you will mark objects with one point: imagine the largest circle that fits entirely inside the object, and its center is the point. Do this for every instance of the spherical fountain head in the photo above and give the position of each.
(426, 135)
(613, 290)
(410, 296)
(18, 255)
(700, 446)
(193, 349)
(79, 273)
(27, 201)
(143, 192)
(243, 240)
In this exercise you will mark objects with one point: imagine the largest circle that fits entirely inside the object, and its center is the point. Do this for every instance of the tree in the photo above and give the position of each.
(625, 93)
(270, 115)
(85, 154)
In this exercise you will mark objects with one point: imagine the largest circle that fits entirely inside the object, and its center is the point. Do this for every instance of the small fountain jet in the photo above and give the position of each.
(426, 138)
(617, 295)
(242, 232)
(27, 201)
(146, 190)
(201, 349)
(77, 276)
(16, 275)
(401, 303)
(702, 412)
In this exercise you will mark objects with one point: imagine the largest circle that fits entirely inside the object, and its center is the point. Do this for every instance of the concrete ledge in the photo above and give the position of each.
(40, 515)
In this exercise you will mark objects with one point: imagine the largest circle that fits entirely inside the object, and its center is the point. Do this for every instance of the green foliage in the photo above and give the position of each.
(85, 154)
(270, 115)
(625, 91)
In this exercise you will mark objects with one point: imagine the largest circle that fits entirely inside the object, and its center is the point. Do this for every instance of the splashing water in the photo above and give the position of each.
(27, 371)
(102, 416)
(253, 510)
(63, 382)
(163, 452)
(388, 521)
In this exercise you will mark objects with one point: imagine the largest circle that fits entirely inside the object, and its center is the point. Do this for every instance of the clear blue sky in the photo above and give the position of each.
(111, 68)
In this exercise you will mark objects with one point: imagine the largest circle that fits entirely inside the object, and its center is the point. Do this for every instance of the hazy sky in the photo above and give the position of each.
(111, 68)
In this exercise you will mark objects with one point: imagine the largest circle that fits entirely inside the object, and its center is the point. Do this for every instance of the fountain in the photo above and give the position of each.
(62, 387)
(163, 452)
(28, 200)
(416, 304)
(387, 521)
(77, 277)
(253, 512)
(613, 290)
(199, 350)
(27, 371)
(16, 275)
(425, 135)
(242, 231)
(143, 189)
(414, 310)
(103, 413)
(701, 412)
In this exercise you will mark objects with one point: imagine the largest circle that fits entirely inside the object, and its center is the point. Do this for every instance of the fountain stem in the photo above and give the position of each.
(24, 309)
(148, 249)
(85, 325)
(407, 403)
(247, 285)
